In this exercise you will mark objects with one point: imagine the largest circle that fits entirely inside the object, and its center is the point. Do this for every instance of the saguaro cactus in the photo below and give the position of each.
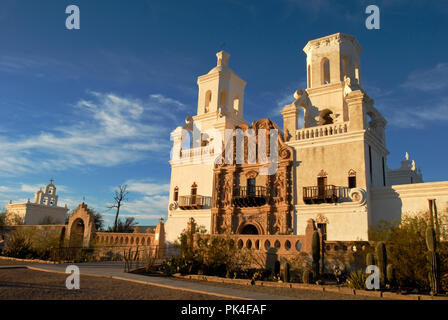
(370, 260)
(381, 260)
(307, 276)
(315, 245)
(286, 272)
(391, 276)
(434, 261)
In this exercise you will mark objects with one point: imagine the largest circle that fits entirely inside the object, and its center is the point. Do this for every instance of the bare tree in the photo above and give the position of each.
(121, 195)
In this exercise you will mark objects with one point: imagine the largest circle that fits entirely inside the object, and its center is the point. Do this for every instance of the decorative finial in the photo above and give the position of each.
(223, 58)
(51, 181)
(413, 165)
(223, 46)
(407, 156)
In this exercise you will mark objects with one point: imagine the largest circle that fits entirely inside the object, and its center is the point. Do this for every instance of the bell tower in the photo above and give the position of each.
(331, 58)
(221, 95)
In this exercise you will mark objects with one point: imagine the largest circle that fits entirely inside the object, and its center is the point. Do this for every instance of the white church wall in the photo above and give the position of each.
(391, 203)
(178, 219)
(345, 221)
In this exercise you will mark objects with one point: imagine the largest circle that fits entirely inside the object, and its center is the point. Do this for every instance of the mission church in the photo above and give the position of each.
(332, 170)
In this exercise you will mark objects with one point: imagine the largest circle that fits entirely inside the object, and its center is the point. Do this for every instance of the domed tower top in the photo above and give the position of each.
(48, 196)
(329, 59)
(221, 90)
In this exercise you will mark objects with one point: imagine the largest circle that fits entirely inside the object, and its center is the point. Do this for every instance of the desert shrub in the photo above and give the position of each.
(211, 255)
(31, 243)
(357, 280)
(2, 217)
(406, 249)
(299, 263)
(18, 245)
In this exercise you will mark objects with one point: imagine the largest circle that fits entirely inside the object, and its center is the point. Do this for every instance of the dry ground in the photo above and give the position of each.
(24, 284)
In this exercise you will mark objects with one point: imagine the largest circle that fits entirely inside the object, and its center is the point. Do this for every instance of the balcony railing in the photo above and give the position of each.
(193, 202)
(249, 196)
(319, 194)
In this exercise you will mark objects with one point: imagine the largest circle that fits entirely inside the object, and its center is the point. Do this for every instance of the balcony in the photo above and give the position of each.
(320, 194)
(192, 202)
(249, 197)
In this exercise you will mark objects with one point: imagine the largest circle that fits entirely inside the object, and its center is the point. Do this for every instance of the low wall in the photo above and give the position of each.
(58, 229)
(118, 243)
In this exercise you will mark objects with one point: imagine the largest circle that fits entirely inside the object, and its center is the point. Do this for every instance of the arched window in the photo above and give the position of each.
(352, 179)
(236, 102)
(345, 67)
(325, 67)
(176, 194)
(357, 75)
(222, 98)
(309, 76)
(208, 99)
(325, 117)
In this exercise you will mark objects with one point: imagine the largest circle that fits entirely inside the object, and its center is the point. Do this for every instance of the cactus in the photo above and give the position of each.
(307, 276)
(381, 260)
(434, 261)
(315, 245)
(286, 272)
(370, 260)
(391, 276)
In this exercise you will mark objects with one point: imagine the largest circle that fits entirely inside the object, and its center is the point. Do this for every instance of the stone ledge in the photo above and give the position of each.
(322, 288)
(29, 260)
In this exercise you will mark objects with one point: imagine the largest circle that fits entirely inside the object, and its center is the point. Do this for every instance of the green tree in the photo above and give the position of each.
(2, 217)
(124, 226)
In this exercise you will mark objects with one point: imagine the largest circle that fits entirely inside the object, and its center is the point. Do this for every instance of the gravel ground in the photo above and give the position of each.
(24, 284)
(290, 292)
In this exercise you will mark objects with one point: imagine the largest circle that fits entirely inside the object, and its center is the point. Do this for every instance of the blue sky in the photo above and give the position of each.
(93, 108)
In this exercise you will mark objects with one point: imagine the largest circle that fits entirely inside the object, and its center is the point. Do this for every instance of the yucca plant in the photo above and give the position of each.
(357, 280)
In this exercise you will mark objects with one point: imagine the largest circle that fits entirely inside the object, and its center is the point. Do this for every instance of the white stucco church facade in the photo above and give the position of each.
(339, 175)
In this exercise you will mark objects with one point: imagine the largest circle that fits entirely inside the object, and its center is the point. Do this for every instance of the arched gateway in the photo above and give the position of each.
(248, 229)
(81, 227)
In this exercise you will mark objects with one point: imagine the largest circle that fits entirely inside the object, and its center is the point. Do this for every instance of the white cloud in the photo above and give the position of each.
(428, 80)
(146, 187)
(151, 201)
(417, 116)
(110, 130)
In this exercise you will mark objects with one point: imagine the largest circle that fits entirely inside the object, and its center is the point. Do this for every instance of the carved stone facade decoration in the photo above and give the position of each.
(248, 202)
(322, 174)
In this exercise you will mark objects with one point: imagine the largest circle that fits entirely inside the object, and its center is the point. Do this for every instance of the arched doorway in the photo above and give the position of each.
(249, 229)
(77, 233)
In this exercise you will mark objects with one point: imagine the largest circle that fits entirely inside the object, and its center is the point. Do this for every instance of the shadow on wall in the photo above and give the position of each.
(386, 205)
